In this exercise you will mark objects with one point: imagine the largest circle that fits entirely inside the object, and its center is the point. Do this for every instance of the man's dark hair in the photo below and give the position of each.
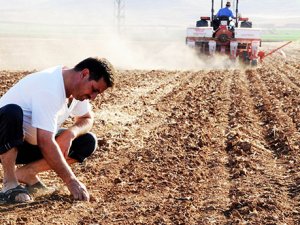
(98, 68)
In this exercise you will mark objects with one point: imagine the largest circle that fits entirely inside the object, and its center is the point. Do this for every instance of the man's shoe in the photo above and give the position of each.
(39, 188)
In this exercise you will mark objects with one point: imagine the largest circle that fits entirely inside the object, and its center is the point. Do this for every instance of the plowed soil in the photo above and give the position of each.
(186, 147)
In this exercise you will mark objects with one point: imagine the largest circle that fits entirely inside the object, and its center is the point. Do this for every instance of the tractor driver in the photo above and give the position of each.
(225, 12)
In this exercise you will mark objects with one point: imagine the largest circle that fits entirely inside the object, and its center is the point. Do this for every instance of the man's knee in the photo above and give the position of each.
(83, 146)
(11, 113)
(11, 127)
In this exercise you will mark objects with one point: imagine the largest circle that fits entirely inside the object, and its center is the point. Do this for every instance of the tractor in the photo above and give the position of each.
(223, 35)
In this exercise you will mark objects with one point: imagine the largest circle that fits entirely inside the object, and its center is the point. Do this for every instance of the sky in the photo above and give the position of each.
(151, 29)
(137, 12)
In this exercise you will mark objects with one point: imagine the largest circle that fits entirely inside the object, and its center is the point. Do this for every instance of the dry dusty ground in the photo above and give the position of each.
(185, 147)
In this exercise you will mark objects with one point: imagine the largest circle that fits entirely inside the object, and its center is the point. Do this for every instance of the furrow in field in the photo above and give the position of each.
(287, 69)
(258, 195)
(214, 99)
(280, 134)
(283, 89)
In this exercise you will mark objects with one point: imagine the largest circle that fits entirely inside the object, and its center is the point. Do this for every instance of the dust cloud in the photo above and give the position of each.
(19, 53)
(172, 55)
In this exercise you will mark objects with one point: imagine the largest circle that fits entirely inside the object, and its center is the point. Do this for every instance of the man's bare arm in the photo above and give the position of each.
(82, 125)
(55, 159)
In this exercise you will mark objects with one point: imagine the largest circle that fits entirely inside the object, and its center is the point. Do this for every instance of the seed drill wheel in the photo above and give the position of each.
(244, 58)
(254, 62)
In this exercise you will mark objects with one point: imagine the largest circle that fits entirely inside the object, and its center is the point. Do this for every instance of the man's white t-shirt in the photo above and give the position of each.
(42, 97)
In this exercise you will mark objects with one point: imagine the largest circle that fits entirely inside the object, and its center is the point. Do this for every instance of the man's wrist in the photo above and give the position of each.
(70, 180)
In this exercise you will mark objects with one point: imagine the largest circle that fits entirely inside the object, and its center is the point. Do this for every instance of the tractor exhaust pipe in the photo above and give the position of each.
(212, 12)
(236, 13)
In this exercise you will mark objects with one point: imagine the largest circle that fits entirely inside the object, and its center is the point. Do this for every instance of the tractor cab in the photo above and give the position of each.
(217, 21)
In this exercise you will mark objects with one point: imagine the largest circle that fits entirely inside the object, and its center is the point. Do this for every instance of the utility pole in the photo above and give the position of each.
(119, 14)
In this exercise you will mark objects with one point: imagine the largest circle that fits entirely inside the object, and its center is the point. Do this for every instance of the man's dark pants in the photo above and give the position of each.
(11, 135)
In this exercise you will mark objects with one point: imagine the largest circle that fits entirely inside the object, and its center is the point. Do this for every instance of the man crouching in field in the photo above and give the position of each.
(31, 113)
